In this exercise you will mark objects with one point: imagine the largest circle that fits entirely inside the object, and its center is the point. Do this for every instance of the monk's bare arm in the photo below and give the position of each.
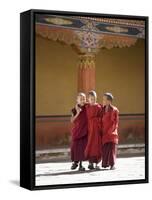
(73, 117)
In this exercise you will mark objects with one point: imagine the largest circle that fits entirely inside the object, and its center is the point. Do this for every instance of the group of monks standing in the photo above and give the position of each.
(94, 135)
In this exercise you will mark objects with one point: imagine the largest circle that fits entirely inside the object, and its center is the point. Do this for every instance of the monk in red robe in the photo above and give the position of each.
(93, 149)
(109, 120)
(79, 132)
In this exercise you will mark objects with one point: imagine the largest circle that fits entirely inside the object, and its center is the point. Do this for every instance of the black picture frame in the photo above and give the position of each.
(27, 100)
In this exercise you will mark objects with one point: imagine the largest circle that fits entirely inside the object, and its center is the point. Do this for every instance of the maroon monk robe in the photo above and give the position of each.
(93, 149)
(110, 119)
(79, 135)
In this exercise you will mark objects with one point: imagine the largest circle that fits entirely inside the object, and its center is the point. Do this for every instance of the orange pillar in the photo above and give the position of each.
(86, 73)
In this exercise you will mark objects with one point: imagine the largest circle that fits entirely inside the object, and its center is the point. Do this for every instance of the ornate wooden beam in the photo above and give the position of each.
(99, 25)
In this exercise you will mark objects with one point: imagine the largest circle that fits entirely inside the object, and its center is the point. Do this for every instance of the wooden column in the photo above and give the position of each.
(86, 73)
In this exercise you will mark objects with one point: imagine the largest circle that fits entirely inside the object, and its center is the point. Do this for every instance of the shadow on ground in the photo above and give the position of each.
(15, 182)
(71, 172)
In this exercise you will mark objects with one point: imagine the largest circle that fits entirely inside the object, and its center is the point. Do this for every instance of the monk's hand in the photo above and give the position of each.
(78, 109)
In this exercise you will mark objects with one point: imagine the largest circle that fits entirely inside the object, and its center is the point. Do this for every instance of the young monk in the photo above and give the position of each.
(79, 132)
(93, 148)
(110, 118)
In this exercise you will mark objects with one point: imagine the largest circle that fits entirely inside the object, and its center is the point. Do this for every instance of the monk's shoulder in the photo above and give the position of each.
(86, 105)
(115, 109)
(101, 106)
(98, 105)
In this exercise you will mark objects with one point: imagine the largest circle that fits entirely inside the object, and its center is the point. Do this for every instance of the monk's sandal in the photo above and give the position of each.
(74, 165)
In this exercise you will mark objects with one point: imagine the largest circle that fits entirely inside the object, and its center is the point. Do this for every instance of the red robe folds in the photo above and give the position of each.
(93, 149)
(109, 125)
(110, 121)
(79, 135)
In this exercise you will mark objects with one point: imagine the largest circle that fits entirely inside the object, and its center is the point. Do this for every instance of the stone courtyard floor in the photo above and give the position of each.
(132, 168)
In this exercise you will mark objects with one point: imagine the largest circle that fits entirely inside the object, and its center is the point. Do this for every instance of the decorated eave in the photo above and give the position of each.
(89, 34)
(133, 28)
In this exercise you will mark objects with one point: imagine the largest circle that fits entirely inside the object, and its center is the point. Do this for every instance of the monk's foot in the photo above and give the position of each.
(104, 165)
(112, 167)
(97, 167)
(81, 168)
(90, 166)
(74, 165)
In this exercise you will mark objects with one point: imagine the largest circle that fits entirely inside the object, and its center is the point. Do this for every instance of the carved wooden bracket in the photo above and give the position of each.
(84, 42)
